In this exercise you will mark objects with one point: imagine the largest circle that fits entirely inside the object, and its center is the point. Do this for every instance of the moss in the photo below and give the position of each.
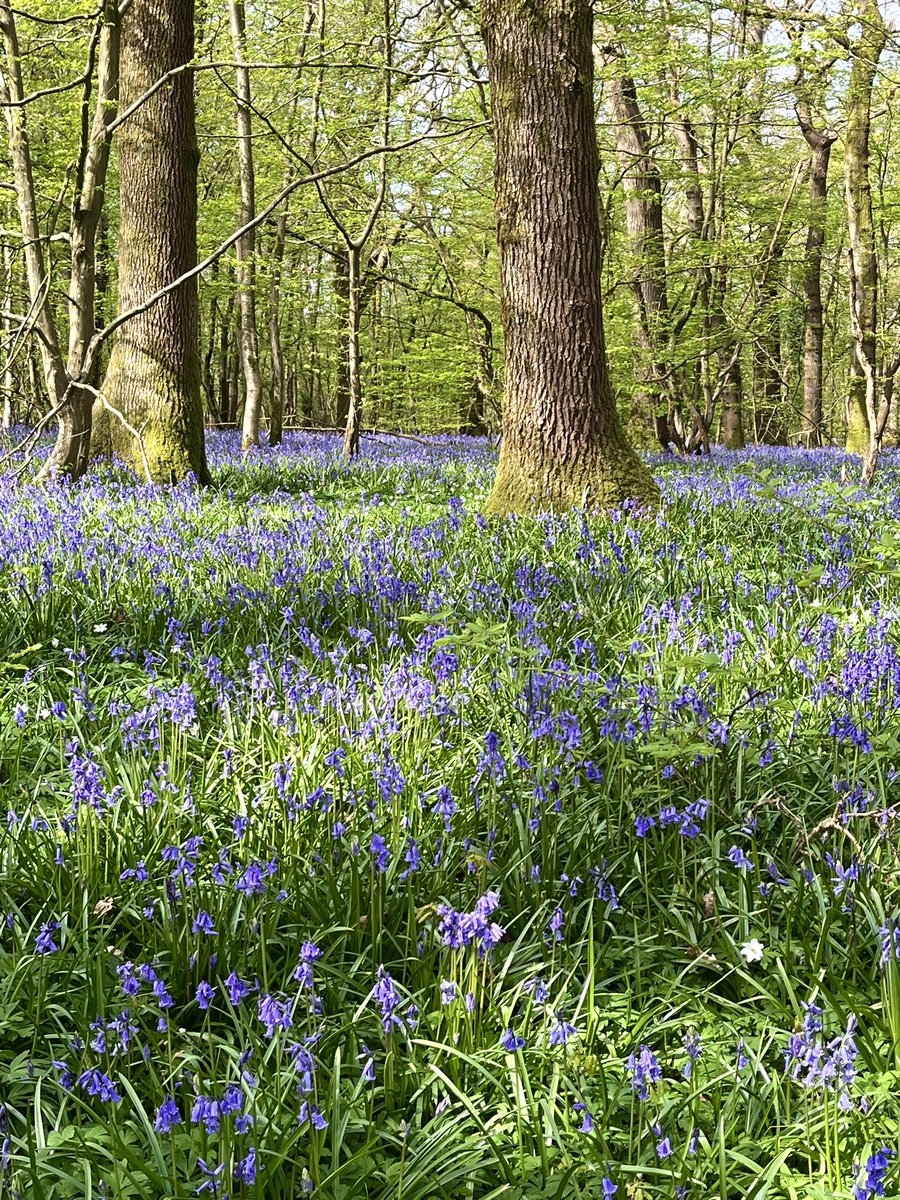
(164, 410)
(857, 422)
(603, 480)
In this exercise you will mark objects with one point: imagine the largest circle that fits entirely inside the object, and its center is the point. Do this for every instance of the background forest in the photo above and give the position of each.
(726, 226)
(397, 819)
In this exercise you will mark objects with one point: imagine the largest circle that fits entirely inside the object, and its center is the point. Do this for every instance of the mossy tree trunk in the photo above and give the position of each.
(563, 445)
(153, 378)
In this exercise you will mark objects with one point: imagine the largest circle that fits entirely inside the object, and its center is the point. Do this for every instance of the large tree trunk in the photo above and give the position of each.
(153, 378)
(562, 442)
(354, 355)
(246, 247)
(861, 226)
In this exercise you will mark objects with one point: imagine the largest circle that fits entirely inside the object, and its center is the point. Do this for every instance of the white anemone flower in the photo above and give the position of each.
(753, 950)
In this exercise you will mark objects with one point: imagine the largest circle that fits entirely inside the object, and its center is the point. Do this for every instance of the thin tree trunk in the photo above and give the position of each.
(224, 363)
(562, 441)
(862, 436)
(246, 247)
(12, 92)
(354, 358)
(644, 220)
(820, 143)
(153, 378)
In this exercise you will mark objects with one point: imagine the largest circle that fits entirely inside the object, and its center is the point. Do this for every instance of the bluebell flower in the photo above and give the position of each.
(203, 923)
(876, 1170)
(737, 856)
(213, 1177)
(205, 994)
(449, 991)
(645, 1071)
(236, 988)
(313, 1114)
(95, 1083)
(44, 943)
(274, 1014)
(561, 1032)
(554, 929)
(246, 1169)
(167, 1116)
(693, 1047)
(511, 1042)
(587, 1120)
(207, 1112)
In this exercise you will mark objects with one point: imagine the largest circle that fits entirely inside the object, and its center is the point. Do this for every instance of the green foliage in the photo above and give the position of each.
(171, 664)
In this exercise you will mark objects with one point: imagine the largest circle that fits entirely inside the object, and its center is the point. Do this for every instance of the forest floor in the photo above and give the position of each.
(359, 847)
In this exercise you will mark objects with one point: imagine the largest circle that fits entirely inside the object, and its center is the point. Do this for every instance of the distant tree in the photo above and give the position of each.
(563, 444)
(153, 380)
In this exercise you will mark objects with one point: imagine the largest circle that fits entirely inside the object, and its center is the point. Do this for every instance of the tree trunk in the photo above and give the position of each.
(342, 297)
(562, 442)
(153, 378)
(12, 94)
(246, 247)
(644, 220)
(813, 319)
(861, 227)
(226, 327)
(354, 358)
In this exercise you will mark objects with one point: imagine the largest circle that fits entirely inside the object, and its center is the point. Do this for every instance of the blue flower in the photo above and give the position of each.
(737, 856)
(203, 923)
(561, 1032)
(236, 988)
(205, 994)
(511, 1042)
(167, 1116)
(44, 943)
(274, 1014)
(245, 1170)
(95, 1083)
(587, 1120)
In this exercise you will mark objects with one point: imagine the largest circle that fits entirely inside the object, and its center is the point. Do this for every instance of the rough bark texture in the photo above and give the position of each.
(861, 226)
(562, 442)
(153, 379)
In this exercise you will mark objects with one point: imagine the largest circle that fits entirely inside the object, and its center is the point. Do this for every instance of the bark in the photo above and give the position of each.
(153, 378)
(341, 287)
(644, 221)
(12, 92)
(563, 445)
(685, 136)
(71, 453)
(226, 394)
(354, 357)
(8, 418)
(767, 381)
(820, 143)
(246, 247)
(862, 435)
